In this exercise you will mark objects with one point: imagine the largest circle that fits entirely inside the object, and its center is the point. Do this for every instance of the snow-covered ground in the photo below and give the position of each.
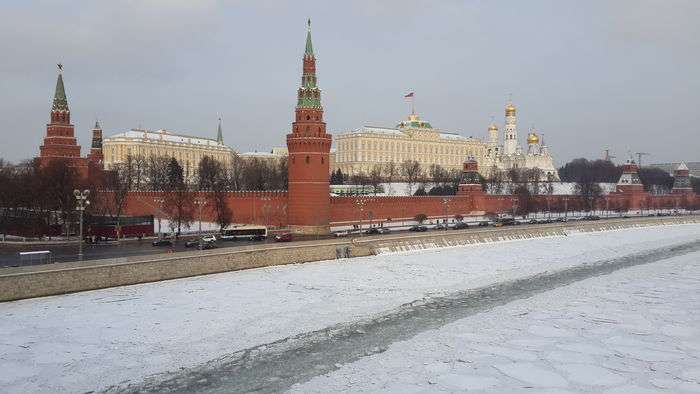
(93, 340)
(635, 331)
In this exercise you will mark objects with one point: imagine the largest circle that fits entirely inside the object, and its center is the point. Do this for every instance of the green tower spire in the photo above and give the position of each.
(60, 102)
(309, 47)
(309, 95)
(219, 134)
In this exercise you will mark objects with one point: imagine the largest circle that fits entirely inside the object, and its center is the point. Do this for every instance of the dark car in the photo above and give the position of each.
(384, 230)
(532, 221)
(286, 237)
(207, 245)
(372, 231)
(460, 226)
(162, 242)
(193, 243)
(418, 228)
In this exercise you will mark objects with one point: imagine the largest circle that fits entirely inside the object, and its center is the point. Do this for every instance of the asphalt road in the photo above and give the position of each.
(9, 253)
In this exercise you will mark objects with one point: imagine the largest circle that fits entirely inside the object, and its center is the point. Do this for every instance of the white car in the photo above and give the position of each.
(209, 238)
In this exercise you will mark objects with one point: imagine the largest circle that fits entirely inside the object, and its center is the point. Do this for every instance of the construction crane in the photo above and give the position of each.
(639, 157)
(607, 156)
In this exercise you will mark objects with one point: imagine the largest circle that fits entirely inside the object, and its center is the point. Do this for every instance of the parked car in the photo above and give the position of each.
(532, 221)
(341, 234)
(562, 220)
(440, 226)
(498, 224)
(484, 223)
(372, 231)
(286, 237)
(460, 226)
(207, 245)
(384, 230)
(162, 242)
(418, 228)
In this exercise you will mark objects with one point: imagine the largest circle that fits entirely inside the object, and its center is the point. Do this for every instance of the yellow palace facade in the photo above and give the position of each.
(360, 151)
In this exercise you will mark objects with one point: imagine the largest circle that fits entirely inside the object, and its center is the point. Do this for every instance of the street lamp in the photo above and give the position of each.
(566, 207)
(159, 201)
(83, 202)
(445, 203)
(360, 202)
(266, 209)
(200, 203)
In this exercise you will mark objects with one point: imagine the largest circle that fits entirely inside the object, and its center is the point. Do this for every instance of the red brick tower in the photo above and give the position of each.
(95, 157)
(60, 139)
(470, 182)
(309, 147)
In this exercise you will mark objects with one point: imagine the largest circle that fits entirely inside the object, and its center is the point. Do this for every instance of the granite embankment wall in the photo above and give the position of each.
(61, 278)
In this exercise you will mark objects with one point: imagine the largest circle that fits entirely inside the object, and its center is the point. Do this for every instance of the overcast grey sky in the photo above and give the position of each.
(589, 74)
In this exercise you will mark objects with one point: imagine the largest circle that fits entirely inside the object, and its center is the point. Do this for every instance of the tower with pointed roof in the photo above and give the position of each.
(95, 156)
(681, 180)
(59, 141)
(219, 134)
(309, 149)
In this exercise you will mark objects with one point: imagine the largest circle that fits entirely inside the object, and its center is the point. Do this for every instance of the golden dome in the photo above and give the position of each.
(510, 109)
(532, 138)
(492, 127)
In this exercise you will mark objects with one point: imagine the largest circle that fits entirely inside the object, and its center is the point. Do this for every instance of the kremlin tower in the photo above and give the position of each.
(95, 156)
(60, 140)
(309, 147)
(629, 181)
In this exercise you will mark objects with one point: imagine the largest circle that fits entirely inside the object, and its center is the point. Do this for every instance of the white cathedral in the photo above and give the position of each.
(511, 155)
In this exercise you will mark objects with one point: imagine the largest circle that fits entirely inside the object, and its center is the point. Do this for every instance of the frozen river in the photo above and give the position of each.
(314, 324)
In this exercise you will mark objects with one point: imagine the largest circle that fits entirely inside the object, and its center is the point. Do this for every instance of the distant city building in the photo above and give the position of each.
(359, 151)
(275, 155)
(187, 149)
(693, 167)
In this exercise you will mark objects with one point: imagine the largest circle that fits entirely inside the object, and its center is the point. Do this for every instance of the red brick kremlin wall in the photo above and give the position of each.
(270, 208)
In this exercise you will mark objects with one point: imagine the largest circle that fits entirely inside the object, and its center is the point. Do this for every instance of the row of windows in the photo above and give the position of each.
(396, 146)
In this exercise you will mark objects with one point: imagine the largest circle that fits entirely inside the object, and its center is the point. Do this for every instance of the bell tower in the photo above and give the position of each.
(309, 148)
(510, 133)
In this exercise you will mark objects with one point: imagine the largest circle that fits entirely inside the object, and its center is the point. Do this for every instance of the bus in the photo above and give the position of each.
(248, 232)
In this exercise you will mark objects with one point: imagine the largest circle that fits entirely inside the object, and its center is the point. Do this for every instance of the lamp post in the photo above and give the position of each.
(200, 203)
(159, 201)
(360, 202)
(549, 211)
(607, 206)
(83, 202)
(515, 206)
(566, 207)
(266, 208)
(445, 204)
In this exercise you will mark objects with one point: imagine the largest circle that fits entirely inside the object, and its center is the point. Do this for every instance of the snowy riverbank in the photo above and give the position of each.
(97, 339)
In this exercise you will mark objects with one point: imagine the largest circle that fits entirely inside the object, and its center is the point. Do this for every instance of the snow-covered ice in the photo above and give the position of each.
(94, 340)
(602, 351)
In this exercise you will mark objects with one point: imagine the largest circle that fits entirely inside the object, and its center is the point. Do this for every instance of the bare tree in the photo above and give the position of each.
(119, 180)
(375, 177)
(179, 200)
(411, 170)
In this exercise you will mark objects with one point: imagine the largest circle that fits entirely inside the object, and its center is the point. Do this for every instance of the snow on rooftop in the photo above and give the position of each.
(165, 135)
